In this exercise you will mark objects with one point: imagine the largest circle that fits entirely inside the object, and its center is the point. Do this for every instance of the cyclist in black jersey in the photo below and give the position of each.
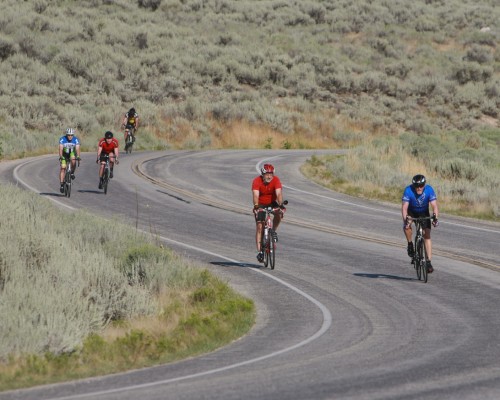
(130, 122)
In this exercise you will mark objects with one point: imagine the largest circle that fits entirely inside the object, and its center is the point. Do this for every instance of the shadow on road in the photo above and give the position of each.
(52, 194)
(384, 276)
(233, 264)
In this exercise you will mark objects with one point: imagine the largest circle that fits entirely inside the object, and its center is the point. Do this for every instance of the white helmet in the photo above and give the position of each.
(70, 132)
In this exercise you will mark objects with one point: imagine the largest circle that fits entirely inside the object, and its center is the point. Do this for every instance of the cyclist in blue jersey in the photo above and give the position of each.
(416, 200)
(69, 151)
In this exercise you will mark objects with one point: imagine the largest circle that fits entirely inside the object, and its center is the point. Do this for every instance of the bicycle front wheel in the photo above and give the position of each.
(105, 180)
(424, 264)
(272, 250)
(418, 257)
(265, 248)
(67, 184)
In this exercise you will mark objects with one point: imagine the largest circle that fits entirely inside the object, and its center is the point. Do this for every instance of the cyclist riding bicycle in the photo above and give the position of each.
(130, 123)
(266, 191)
(69, 151)
(416, 200)
(108, 145)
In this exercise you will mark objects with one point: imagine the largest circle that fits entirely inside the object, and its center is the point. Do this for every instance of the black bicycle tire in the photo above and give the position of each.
(105, 180)
(272, 248)
(421, 256)
(264, 249)
(417, 258)
(425, 274)
(67, 183)
(130, 143)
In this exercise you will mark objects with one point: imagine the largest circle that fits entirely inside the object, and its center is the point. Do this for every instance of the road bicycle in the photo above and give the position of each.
(269, 236)
(420, 255)
(105, 174)
(67, 177)
(129, 141)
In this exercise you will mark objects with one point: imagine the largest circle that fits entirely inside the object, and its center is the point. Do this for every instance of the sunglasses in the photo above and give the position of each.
(419, 185)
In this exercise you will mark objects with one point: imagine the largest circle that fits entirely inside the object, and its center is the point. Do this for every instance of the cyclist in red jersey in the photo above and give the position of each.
(266, 191)
(108, 145)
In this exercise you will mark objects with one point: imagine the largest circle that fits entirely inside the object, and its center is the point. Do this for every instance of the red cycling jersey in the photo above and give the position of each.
(108, 147)
(267, 193)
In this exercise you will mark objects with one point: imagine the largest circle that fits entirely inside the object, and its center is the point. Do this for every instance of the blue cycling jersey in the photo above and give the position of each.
(68, 145)
(418, 204)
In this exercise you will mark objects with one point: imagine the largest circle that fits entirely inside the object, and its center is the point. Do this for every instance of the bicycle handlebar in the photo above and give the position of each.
(416, 220)
(272, 209)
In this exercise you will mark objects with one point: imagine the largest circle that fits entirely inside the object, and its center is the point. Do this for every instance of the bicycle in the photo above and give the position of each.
(129, 141)
(67, 177)
(420, 256)
(105, 174)
(268, 242)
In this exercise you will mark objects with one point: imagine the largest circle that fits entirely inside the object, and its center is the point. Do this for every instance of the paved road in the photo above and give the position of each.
(341, 317)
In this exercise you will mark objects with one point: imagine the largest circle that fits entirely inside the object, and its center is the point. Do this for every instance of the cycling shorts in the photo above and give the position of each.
(103, 155)
(66, 157)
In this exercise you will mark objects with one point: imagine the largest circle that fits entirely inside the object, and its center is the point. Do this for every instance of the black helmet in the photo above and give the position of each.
(108, 135)
(418, 181)
(131, 111)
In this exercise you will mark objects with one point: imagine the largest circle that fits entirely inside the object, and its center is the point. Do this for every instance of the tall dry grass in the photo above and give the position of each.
(462, 169)
(65, 276)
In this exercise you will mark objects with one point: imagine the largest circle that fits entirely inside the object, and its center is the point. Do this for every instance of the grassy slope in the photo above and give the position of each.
(120, 301)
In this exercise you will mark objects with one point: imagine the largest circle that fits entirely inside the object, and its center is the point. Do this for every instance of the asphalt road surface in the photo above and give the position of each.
(342, 316)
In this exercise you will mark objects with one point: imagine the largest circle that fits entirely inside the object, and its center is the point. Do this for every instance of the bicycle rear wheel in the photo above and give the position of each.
(129, 145)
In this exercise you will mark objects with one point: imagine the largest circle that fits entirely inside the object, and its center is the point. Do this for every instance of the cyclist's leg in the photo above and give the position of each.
(101, 168)
(259, 226)
(62, 172)
(73, 164)
(277, 220)
(111, 164)
(408, 232)
(428, 243)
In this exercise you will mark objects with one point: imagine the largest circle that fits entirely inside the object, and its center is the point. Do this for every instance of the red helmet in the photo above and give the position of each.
(267, 169)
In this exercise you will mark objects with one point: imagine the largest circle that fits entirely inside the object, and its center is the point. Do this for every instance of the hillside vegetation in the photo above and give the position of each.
(80, 297)
(423, 75)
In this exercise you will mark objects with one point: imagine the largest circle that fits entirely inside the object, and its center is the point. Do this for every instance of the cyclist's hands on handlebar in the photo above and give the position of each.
(435, 222)
(408, 222)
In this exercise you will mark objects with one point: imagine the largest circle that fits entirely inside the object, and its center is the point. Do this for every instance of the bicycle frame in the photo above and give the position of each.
(420, 251)
(129, 141)
(267, 243)
(67, 178)
(268, 246)
(105, 175)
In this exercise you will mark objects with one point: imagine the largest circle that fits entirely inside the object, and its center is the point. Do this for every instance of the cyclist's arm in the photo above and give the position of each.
(434, 206)
(279, 196)
(404, 210)
(116, 153)
(255, 195)
(77, 147)
(137, 122)
(61, 147)
(99, 150)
